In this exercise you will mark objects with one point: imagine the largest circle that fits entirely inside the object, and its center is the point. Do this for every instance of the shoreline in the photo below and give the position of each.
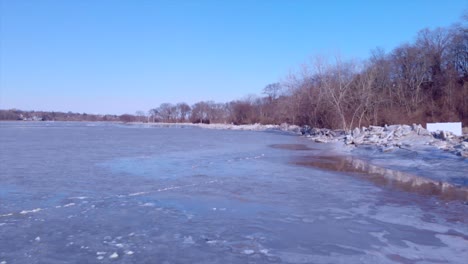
(385, 139)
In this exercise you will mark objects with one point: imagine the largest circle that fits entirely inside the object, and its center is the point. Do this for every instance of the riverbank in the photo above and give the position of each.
(384, 139)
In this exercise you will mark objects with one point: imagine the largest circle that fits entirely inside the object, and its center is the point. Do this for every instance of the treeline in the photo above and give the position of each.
(422, 81)
(14, 114)
(418, 82)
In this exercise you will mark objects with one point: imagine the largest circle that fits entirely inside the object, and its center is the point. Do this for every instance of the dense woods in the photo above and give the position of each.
(425, 80)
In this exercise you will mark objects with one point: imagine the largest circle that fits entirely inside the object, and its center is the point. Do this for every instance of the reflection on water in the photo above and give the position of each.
(385, 177)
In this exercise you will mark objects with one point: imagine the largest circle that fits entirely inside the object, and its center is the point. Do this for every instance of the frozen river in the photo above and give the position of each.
(108, 193)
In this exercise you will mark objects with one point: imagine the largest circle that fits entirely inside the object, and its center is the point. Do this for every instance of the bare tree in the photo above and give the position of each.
(183, 112)
(140, 116)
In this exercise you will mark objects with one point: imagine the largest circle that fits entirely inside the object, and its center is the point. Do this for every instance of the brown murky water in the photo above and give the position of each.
(385, 177)
(291, 146)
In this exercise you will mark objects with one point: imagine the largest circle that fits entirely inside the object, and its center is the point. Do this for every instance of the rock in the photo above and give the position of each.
(464, 145)
(463, 154)
(389, 136)
(321, 140)
(444, 135)
(356, 132)
(423, 132)
(305, 130)
(373, 139)
(439, 144)
(406, 130)
(358, 140)
(339, 132)
(376, 129)
(349, 139)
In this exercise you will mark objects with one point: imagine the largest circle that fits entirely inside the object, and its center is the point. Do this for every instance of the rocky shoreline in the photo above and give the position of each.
(389, 138)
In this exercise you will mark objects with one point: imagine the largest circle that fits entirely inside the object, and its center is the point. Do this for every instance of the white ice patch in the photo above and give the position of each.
(100, 253)
(188, 240)
(38, 239)
(31, 211)
(248, 251)
(79, 197)
(137, 193)
(129, 252)
(147, 205)
(5, 215)
(114, 255)
(68, 205)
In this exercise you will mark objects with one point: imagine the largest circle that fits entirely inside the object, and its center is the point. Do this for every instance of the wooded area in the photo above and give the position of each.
(418, 82)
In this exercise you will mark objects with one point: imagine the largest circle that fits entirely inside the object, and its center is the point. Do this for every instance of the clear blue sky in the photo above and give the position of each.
(122, 56)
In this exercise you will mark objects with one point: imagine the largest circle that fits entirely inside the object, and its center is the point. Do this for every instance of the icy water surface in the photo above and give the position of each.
(107, 193)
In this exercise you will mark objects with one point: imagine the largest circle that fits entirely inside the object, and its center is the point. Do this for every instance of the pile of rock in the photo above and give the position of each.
(322, 135)
(388, 138)
(450, 142)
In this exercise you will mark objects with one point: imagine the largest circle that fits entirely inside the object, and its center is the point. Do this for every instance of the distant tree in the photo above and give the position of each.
(141, 117)
(183, 112)
(167, 112)
(127, 118)
(153, 114)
